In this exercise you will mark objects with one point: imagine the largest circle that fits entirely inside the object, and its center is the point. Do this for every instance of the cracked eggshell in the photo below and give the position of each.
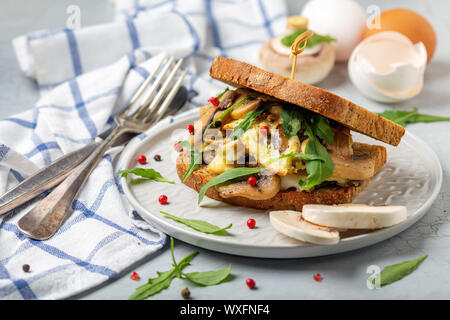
(388, 67)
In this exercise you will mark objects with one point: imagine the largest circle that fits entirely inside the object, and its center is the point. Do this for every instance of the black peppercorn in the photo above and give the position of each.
(157, 157)
(185, 293)
(26, 268)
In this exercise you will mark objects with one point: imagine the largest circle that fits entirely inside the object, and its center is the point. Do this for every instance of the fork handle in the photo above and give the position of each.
(45, 219)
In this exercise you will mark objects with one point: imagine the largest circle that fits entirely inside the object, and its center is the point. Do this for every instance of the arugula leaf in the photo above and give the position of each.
(318, 170)
(245, 124)
(322, 129)
(164, 279)
(227, 111)
(196, 159)
(226, 176)
(403, 117)
(221, 94)
(396, 272)
(149, 174)
(209, 278)
(311, 42)
(199, 225)
(297, 155)
(292, 121)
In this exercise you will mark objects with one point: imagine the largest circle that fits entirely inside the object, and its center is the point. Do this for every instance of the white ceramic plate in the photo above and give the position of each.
(412, 177)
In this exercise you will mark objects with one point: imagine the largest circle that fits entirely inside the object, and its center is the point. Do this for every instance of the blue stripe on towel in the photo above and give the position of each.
(59, 253)
(73, 47)
(20, 284)
(81, 108)
(21, 122)
(133, 34)
(267, 23)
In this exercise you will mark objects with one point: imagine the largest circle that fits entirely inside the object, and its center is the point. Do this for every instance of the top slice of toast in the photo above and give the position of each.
(241, 74)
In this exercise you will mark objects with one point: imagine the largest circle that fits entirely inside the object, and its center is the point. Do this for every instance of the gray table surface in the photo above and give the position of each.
(344, 274)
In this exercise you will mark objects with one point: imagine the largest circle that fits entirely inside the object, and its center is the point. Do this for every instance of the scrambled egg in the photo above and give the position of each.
(264, 152)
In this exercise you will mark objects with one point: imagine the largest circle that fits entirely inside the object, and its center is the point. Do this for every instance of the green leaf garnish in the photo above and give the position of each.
(297, 155)
(322, 129)
(318, 170)
(312, 41)
(164, 279)
(245, 124)
(292, 121)
(319, 164)
(396, 272)
(196, 159)
(227, 111)
(227, 176)
(149, 174)
(403, 117)
(199, 225)
(221, 94)
(209, 278)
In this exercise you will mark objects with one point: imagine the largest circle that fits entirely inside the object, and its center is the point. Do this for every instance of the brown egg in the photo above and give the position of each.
(409, 23)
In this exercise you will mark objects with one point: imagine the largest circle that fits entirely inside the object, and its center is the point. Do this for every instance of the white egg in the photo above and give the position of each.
(344, 20)
(388, 67)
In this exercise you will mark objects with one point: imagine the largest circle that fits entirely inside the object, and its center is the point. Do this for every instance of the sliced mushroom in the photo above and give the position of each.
(241, 111)
(266, 187)
(284, 141)
(291, 224)
(209, 112)
(227, 99)
(201, 124)
(358, 166)
(354, 216)
(342, 146)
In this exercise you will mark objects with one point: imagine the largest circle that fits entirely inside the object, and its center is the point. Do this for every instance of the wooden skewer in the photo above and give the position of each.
(296, 50)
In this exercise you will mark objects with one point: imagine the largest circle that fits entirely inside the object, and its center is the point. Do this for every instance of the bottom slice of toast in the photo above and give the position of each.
(284, 200)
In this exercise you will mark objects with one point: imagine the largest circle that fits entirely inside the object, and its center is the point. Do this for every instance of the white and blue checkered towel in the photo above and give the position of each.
(85, 76)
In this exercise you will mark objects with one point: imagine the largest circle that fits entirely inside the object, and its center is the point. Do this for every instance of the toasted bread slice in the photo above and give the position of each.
(241, 74)
(284, 200)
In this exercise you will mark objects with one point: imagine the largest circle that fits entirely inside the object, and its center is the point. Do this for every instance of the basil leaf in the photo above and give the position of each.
(150, 174)
(164, 279)
(311, 42)
(245, 124)
(196, 159)
(292, 121)
(199, 225)
(318, 170)
(226, 176)
(209, 278)
(322, 129)
(403, 117)
(396, 272)
(227, 111)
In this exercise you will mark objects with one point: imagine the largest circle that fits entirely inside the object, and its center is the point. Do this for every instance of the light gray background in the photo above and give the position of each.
(344, 274)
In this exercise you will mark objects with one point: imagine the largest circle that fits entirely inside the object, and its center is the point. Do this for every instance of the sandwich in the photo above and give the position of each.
(278, 144)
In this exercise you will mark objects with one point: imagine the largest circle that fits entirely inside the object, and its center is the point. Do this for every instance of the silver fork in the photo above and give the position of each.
(45, 219)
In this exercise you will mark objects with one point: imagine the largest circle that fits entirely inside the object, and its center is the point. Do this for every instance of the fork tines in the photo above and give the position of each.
(151, 109)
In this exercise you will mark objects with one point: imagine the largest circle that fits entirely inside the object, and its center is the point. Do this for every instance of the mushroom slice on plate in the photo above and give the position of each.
(291, 224)
(354, 216)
